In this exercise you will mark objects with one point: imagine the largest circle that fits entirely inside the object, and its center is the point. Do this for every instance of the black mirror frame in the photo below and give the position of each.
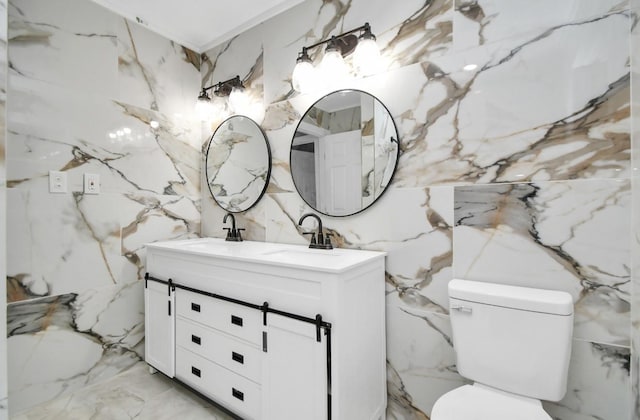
(267, 179)
(395, 167)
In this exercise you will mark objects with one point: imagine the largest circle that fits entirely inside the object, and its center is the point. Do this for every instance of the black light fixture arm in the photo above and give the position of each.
(366, 28)
(223, 88)
(342, 41)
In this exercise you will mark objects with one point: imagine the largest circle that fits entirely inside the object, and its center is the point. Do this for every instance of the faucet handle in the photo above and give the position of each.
(238, 234)
(228, 232)
(327, 240)
(313, 237)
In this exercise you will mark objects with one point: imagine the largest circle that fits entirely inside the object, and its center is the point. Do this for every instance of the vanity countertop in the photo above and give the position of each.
(298, 256)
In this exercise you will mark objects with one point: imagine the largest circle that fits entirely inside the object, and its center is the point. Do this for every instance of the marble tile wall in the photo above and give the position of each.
(635, 218)
(90, 92)
(3, 210)
(517, 170)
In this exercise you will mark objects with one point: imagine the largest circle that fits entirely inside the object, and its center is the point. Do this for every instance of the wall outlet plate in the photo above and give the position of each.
(57, 182)
(91, 184)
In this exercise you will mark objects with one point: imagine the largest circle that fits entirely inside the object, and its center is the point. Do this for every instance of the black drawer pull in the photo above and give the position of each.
(236, 320)
(238, 394)
(195, 339)
(195, 307)
(195, 371)
(237, 357)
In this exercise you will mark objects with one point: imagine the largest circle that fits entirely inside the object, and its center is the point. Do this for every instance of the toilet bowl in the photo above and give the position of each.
(514, 343)
(479, 402)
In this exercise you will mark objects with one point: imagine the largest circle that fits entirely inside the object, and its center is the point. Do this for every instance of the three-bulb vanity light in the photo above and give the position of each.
(332, 68)
(234, 92)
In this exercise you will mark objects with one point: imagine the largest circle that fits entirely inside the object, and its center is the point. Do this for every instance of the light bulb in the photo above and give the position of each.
(366, 57)
(303, 78)
(238, 99)
(333, 68)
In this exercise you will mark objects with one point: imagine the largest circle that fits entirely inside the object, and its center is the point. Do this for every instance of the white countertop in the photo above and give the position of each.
(333, 260)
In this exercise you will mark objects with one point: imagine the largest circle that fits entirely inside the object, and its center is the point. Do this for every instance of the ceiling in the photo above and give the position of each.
(198, 24)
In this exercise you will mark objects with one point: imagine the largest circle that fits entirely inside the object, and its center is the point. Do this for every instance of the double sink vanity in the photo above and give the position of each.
(270, 331)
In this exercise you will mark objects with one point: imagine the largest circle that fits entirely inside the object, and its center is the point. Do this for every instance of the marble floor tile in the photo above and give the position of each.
(135, 394)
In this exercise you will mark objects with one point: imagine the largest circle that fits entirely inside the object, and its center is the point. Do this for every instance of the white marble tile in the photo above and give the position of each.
(70, 43)
(420, 360)
(156, 73)
(598, 386)
(129, 147)
(571, 236)
(485, 21)
(51, 354)
(133, 394)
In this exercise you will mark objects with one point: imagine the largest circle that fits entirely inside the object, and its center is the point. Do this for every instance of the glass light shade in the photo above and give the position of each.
(303, 78)
(332, 67)
(366, 57)
(239, 100)
(204, 109)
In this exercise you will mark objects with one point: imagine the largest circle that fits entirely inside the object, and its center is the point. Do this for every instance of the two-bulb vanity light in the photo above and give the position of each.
(231, 91)
(366, 59)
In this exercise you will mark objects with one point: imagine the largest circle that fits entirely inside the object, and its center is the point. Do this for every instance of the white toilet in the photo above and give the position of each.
(514, 343)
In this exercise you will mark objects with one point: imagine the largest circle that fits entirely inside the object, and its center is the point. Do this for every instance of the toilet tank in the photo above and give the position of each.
(516, 339)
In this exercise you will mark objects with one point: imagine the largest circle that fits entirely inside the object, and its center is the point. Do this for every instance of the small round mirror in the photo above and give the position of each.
(238, 164)
(344, 152)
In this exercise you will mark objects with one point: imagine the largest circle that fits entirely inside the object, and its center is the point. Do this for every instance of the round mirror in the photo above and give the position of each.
(344, 152)
(238, 164)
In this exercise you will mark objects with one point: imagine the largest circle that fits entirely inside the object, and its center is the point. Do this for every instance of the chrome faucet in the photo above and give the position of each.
(323, 241)
(233, 234)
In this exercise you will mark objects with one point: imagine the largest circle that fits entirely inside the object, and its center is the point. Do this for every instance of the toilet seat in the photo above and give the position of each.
(480, 402)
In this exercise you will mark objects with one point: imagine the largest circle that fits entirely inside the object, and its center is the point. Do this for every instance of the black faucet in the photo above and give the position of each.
(323, 241)
(233, 234)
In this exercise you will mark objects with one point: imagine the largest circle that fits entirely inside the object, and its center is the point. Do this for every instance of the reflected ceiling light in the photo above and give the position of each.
(366, 59)
(470, 67)
(233, 89)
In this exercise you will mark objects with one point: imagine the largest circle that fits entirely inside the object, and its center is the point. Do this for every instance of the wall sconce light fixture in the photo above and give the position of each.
(232, 89)
(366, 59)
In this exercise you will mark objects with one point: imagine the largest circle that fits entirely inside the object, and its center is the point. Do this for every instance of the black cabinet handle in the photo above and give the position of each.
(195, 307)
(237, 357)
(238, 394)
(236, 320)
(195, 339)
(195, 371)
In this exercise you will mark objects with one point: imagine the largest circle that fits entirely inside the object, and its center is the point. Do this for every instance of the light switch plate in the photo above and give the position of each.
(91, 184)
(57, 182)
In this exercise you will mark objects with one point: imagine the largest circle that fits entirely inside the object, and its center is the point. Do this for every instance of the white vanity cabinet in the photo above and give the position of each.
(270, 331)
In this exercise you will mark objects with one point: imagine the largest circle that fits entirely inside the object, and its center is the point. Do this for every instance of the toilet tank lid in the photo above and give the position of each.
(524, 298)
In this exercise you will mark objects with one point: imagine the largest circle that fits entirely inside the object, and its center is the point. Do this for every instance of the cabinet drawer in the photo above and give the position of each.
(235, 355)
(235, 392)
(233, 319)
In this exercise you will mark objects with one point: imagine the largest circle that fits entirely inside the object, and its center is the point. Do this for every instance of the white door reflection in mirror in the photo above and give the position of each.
(344, 153)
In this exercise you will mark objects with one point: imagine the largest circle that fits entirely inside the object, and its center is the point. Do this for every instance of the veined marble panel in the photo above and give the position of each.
(69, 43)
(62, 343)
(421, 363)
(407, 33)
(549, 106)
(131, 148)
(64, 243)
(414, 226)
(132, 394)
(156, 73)
(479, 22)
(571, 236)
(598, 386)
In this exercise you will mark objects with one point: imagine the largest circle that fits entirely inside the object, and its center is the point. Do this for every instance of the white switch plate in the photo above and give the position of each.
(57, 182)
(91, 184)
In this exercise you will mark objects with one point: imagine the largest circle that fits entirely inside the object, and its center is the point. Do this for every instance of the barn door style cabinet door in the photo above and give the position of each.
(270, 331)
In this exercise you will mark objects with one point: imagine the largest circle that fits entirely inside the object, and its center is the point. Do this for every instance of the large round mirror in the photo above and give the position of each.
(238, 164)
(344, 152)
